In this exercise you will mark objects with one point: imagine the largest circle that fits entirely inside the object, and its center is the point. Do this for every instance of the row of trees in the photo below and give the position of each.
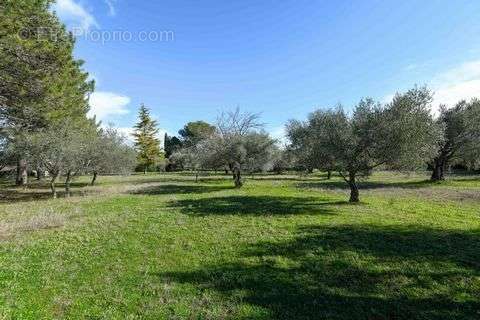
(400, 135)
(44, 100)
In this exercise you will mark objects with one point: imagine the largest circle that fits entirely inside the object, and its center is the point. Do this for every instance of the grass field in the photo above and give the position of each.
(283, 247)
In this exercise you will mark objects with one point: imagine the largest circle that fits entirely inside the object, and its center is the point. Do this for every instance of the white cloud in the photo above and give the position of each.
(75, 15)
(111, 7)
(105, 104)
(453, 85)
(456, 84)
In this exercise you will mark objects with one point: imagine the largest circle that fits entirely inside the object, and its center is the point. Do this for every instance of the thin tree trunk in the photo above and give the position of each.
(18, 180)
(52, 185)
(196, 176)
(354, 192)
(68, 180)
(329, 174)
(94, 178)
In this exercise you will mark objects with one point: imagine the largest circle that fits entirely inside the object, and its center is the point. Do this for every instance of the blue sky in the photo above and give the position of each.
(281, 58)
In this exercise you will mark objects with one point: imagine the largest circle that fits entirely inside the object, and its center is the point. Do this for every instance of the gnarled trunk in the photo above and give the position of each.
(40, 174)
(94, 178)
(354, 192)
(439, 166)
(237, 176)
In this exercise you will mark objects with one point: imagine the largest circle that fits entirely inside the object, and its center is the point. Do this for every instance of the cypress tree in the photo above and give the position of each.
(146, 142)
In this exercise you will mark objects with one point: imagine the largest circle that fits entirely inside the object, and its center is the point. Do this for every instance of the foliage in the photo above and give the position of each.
(63, 148)
(461, 137)
(400, 135)
(194, 132)
(41, 81)
(237, 144)
(110, 154)
(172, 144)
(147, 143)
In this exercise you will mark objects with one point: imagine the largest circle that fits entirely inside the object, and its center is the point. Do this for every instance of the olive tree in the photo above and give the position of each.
(401, 134)
(109, 153)
(460, 138)
(237, 143)
(307, 155)
(60, 149)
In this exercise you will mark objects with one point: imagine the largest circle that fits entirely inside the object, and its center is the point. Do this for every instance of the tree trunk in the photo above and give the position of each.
(237, 176)
(22, 173)
(40, 174)
(18, 180)
(354, 192)
(438, 173)
(52, 185)
(329, 174)
(196, 176)
(94, 178)
(68, 180)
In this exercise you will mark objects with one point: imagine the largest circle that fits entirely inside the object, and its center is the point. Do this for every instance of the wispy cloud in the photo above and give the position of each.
(111, 7)
(458, 83)
(450, 86)
(106, 104)
(75, 15)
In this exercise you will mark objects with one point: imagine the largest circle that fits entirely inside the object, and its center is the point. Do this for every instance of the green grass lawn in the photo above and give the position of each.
(283, 247)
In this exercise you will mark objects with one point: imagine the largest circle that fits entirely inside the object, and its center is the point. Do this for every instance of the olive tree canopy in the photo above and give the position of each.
(401, 134)
(237, 143)
(461, 136)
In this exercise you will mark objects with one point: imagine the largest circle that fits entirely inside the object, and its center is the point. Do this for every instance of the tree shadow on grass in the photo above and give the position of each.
(181, 189)
(368, 185)
(255, 205)
(351, 272)
(14, 195)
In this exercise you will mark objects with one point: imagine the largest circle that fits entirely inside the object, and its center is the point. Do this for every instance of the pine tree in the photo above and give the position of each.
(41, 82)
(146, 142)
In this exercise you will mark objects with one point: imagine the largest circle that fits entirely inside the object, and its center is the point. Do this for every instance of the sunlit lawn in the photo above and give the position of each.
(283, 247)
